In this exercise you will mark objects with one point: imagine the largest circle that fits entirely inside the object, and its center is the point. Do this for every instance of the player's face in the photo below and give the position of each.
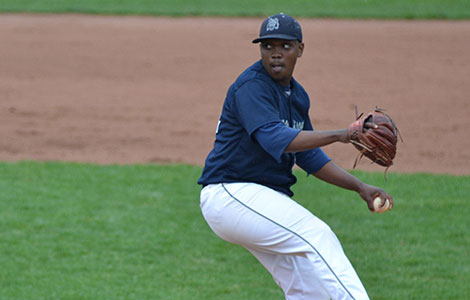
(279, 58)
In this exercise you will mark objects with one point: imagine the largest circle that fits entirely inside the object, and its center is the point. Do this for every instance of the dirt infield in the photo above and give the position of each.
(141, 89)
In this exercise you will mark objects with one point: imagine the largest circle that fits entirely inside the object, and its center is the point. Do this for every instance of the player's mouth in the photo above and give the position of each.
(277, 67)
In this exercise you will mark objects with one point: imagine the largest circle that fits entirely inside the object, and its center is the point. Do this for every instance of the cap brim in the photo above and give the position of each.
(275, 36)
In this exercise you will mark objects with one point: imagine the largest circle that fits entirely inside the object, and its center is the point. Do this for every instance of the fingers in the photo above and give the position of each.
(386, 201)
(390, 199)
(370, 205)
(369, 193)
(370, 125)
(384, 196)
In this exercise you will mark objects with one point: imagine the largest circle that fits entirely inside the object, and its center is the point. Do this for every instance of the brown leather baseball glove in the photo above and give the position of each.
(375, 135)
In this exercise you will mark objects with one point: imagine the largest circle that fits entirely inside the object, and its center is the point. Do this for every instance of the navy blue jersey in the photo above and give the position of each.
(259, 120)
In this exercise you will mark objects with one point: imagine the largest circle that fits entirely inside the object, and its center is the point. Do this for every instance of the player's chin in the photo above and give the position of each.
(280, 77)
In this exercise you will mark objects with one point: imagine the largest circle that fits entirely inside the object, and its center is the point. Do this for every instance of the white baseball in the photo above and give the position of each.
(377, 202)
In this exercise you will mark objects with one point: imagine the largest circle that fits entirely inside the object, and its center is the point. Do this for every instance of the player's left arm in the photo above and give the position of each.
(336, 175)
(307, 139)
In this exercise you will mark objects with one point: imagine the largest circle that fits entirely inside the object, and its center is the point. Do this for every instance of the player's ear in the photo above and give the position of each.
(261, 50)
(301, 49)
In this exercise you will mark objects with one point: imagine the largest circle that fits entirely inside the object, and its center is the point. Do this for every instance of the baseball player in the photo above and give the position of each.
(264, 129)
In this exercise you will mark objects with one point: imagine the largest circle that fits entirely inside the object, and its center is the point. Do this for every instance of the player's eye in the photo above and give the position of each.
(267, 46)
(286, 46)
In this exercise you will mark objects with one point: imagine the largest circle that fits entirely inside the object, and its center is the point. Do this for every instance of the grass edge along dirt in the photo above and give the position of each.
(350, 9)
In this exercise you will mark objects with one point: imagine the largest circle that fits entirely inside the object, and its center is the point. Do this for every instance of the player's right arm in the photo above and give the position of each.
(333, 174)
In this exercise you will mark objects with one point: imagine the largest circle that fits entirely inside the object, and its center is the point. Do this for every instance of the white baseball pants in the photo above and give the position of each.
(299, 250)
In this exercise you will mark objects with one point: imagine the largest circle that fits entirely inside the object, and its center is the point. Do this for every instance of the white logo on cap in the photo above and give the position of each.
(273, 24)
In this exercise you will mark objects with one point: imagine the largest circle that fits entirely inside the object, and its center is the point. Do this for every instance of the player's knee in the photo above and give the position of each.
(321, 231)
(325, 230)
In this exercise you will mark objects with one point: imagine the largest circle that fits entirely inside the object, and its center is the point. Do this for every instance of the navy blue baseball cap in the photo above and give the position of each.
(280, 26)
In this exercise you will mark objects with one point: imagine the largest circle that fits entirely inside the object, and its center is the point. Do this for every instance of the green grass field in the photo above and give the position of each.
(409, 9)
(79, 231)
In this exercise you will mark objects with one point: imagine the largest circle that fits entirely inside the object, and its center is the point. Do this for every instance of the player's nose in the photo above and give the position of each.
(277, 53)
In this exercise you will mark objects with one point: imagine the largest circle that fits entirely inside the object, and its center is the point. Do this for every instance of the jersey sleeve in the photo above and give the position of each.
(255, 105)
(311, 160)
(274, 138)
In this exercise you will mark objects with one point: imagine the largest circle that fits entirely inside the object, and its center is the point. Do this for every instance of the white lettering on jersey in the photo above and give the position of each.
(297, 124)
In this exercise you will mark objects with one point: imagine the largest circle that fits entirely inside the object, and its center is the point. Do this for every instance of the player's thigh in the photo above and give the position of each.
(258, 217)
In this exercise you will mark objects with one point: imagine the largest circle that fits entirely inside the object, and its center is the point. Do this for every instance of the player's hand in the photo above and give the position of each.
(367, 125)
(344, 135)
(370, 192)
